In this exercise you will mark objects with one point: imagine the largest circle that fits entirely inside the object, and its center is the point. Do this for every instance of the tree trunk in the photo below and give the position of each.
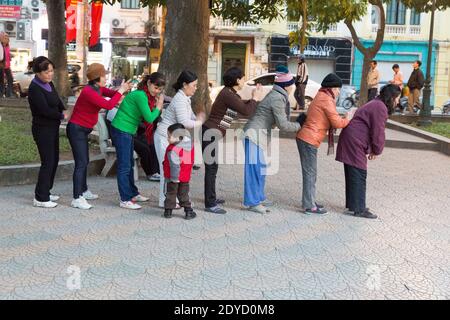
(57, 45)
(304, 10)
(363, 93)
(186, 46)
(371, 52)
(163, 29)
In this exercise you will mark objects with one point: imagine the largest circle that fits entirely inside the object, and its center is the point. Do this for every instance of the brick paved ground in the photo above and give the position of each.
(243, 255)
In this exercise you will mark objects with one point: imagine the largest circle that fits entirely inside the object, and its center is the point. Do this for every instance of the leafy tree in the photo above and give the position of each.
(299, 10)
(186, 35)
(328, 12)
(426, 5)
(187, 23)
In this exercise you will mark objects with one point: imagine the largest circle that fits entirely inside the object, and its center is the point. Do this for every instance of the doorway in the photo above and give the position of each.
(233, 55)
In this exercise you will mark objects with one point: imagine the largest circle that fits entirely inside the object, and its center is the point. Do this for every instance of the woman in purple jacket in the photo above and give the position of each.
(364, 139)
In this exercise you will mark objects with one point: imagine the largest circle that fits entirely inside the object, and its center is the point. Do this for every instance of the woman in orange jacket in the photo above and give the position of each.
(322, 118)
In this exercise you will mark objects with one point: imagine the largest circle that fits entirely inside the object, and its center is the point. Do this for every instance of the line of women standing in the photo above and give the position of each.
(363, 136)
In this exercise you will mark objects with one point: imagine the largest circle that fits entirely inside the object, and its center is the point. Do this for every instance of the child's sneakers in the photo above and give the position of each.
(168, 213)
(189, 214)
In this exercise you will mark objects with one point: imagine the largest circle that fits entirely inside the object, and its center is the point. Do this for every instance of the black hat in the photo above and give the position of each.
(332, 81)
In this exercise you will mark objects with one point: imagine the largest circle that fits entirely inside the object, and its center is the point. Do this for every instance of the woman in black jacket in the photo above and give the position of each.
(47, 111)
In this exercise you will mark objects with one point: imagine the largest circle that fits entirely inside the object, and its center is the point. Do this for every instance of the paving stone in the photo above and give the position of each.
(241, 255)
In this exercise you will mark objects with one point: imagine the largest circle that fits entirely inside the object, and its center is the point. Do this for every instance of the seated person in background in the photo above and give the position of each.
(146, 152)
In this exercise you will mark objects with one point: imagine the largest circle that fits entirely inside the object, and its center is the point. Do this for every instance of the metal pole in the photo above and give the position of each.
(426, 105)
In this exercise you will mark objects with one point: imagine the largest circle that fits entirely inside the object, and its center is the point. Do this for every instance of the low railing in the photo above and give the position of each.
(294, 26)
(415, 30)
(399, 30)
(227, 24)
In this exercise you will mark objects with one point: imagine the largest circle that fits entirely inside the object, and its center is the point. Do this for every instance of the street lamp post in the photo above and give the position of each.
(426, 106)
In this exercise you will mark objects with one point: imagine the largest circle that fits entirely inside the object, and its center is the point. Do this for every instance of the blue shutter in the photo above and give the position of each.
(415, 18)
(401, 17)
(390, 14)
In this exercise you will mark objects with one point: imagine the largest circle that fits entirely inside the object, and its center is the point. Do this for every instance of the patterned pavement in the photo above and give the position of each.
(111, 253)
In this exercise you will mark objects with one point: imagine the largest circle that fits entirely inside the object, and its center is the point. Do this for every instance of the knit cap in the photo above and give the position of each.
(332, 81)
(283, 77)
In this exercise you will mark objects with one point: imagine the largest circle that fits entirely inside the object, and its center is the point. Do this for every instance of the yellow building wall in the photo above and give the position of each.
(442, 77)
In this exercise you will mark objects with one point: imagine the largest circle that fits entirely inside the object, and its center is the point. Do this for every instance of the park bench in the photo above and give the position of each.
(108, 150)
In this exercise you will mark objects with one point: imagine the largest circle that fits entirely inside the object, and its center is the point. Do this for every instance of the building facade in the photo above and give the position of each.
(18, 19)
(258, 48)
(131, 35)
(128, 34)
(243, 46)
(405, 40)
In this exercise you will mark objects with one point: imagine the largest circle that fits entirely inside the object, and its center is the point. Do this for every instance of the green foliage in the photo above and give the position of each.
(440, 128)
(329, 12)
(238, 11)
(324, 12)
(16, 141)
(426, 5)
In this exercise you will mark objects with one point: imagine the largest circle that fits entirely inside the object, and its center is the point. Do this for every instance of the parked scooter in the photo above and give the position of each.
(446, 107)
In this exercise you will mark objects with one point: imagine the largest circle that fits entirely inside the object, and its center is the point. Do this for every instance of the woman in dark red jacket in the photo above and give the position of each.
(364, 139)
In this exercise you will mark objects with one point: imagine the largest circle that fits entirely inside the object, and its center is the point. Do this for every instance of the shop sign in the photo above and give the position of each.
(10, 12)
(317, 51)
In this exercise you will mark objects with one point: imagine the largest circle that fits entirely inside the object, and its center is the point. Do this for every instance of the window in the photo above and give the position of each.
(268, 80)
(396, 12)
(415, 18)
(130, 4)
(375, 15)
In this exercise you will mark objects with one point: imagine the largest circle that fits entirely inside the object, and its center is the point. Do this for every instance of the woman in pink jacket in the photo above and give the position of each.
(5, 66)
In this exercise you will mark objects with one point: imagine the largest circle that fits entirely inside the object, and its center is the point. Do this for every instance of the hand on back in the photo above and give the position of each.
(258, 93)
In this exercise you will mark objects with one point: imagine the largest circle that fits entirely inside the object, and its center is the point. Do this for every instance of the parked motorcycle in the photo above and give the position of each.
(348, 98)
(446, 107)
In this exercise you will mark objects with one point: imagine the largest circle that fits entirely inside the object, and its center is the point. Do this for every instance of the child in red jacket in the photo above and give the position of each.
(178, 163)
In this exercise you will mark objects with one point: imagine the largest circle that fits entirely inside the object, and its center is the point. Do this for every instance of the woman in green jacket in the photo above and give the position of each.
(132, 110)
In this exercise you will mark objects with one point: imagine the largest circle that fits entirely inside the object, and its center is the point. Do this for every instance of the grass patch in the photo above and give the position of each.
(16, 141)
(440, 128)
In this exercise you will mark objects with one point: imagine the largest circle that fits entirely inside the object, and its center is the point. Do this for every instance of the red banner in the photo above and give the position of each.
(71, 20)
(12, 12)
(96, 19)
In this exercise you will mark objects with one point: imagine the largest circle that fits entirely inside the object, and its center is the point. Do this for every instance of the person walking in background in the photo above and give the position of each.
(224, 110)
(47, 111)
(178, 111)
(415, 84)
(273, 110)
(301, 81)
(5, 66)
(322, 118)
(364, 139)
(83, 119)
(178, 162)
(373, 79)
(132, 110)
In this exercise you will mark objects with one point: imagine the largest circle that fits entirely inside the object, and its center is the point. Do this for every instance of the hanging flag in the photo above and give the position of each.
(96, 19)
(71, 20)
